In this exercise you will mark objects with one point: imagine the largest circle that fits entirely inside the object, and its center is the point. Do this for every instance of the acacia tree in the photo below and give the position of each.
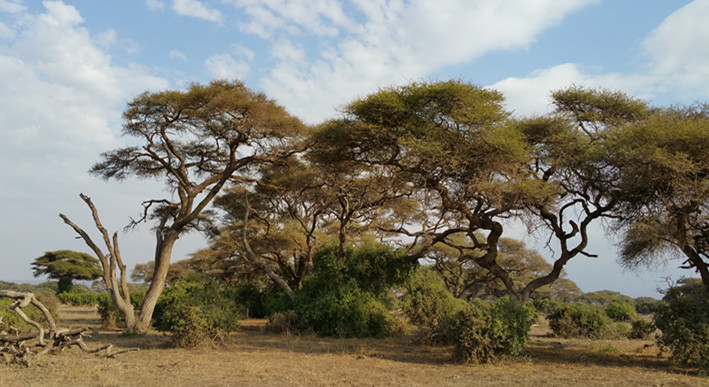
(664, 169)
(465, 279)
(292, 209)
(196, 141)
(66, 266)
(476, 168)
(570, 151)
(456, 144)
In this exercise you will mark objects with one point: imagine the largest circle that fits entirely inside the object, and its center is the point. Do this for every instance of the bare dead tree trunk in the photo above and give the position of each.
(18, 349)
(111, 263)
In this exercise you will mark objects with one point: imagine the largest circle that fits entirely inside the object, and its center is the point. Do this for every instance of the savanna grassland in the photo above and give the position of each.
(257, 358)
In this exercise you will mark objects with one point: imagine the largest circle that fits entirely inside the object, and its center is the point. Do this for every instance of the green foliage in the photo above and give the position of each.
(67, 265)
(276, 300)
(603, 297)
(683, 319)
(111, 316)
(346, 311)
(546, 306)
(250, 298)
(646, 305)
(619, 310)
(579, 320)
(483, 332)
(641, 329)
(343, 298)
(427, 301)
(79, 298)
(194, 309)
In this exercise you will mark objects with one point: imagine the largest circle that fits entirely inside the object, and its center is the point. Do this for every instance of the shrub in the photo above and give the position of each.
(346, 311)
(641, 329)
(287, 322)
(343, 297)
(579, 320)
(482, 332)
(427, 301)
(195, 309)
(249, 297)
(111, 316)
(546, 306)
(683, 318)
(646, 305)
(79, 298)
(619, 310)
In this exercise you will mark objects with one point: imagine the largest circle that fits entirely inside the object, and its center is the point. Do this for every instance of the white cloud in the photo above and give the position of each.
(243, 52)
(106, 39)
(387, 42)
(12, 6)
(288, 51)
(177, 54)
(678, 49)
(532, 95)
(6, 32)
(60, 106)
(678, 57)
(195, 8)
(224, 66)
(319, 17)
(155, 5)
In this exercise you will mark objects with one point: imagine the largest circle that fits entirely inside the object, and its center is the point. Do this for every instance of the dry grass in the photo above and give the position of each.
(257, 358)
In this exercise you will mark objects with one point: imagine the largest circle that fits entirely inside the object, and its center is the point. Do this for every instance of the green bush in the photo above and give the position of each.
(276, 301)
(579, 320)
(427, 301)
(683, 318)
(546, 306)
(249, 297)
(641, 329)
(111, 316)
(646, 305)
(483, 332)
(344, 297)
(79, 298)
(196, 309)
(619, 310)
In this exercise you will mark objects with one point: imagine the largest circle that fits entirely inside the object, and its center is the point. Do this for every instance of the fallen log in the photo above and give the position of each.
(20, 348)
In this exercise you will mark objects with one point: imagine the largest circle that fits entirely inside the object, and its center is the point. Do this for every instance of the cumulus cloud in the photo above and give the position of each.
(177, 54)
(677, 56)
(155, 4)
(319, 17)
(224, 66)
(386, 42)
(678, 49)
(532, 94)
(12, 6)
(60, 106)
(195, 8)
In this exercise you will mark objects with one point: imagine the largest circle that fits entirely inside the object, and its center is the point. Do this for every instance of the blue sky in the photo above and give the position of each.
(67, 69)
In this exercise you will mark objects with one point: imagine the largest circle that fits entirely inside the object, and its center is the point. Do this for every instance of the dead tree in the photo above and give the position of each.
(21, 348)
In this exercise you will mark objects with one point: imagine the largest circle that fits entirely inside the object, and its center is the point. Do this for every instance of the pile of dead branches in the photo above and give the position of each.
(21, 348)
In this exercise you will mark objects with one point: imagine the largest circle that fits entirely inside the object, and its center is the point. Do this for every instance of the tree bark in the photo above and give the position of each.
(163, 252)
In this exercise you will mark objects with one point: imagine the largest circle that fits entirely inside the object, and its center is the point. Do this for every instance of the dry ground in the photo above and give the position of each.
(256, 358)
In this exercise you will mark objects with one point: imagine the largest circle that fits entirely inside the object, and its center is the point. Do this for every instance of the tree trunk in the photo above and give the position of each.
(163, 252)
